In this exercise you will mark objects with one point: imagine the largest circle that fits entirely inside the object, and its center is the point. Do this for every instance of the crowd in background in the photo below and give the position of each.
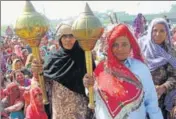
(19, 100)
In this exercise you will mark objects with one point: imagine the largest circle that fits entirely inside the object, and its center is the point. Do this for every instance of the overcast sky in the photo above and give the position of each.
(10, 10)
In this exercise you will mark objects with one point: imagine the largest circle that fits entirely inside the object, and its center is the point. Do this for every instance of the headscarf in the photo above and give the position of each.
(138, 25)
(67, 66)
(112, 73)
(34, 110)
(14, 95)
(158, 55)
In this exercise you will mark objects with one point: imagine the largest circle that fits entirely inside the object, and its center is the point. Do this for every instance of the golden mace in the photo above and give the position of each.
(32, 26)
(87, 29)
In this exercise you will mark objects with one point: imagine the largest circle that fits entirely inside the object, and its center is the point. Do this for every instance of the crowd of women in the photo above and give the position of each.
(134, 74)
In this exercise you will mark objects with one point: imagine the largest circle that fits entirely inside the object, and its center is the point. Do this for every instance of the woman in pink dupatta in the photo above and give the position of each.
(36, 109)
(13, 102)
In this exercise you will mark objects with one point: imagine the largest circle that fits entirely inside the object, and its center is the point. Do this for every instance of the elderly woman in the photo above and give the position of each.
(66, 69)
(123, 85)
(159, 55)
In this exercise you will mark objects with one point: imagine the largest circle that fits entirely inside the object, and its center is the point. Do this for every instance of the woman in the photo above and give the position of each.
(160, 57)
(18, 65)
(36, 110)
(26, 96)
(21, 80)
(18, 51)
(25, 54)
(44, 53)
(123, 83)
(35, 72)
(66, 69)
(139, 25)
(13, 102)
(9, 63)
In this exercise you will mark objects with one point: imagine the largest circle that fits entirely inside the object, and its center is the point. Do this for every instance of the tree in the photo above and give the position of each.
(173, 8)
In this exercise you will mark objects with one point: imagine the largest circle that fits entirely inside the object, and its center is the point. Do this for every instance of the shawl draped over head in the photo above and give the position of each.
(158, 55)
(126, 92)
(34, 110)
(138, 25)
(14, 95)
(67, 66)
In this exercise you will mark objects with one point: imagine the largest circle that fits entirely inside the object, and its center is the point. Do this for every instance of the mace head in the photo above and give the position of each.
(31, 25)
(87, 29)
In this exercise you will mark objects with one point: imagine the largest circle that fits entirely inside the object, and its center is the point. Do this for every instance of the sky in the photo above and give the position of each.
(10, 10)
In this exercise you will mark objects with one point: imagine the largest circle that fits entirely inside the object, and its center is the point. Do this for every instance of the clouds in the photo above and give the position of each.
(10, 10)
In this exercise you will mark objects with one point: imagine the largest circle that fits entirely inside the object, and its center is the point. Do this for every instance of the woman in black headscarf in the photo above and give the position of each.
(66, 69)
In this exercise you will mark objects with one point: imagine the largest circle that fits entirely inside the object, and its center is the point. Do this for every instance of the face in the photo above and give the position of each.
(26, 53)
(68, 41)
(35, 74)
(38, 98)
(42, 52)
(159, 33)
(14, 41)
(18, 65)
(19, 76)
(121, 48)
(15, 91)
